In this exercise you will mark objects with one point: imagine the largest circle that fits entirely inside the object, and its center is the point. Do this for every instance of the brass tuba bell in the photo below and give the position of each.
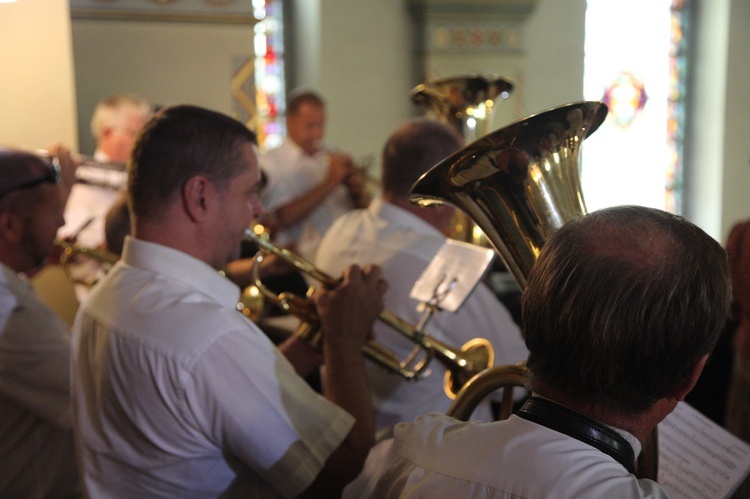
(465, 101)
(520, 183)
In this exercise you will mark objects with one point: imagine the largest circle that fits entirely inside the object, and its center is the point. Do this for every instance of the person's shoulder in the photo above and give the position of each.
(426, 430)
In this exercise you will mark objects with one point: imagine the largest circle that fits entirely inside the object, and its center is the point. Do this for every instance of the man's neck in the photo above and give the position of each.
(639, 425)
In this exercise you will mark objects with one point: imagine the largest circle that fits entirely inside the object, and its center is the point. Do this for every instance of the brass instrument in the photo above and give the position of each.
(472, 358)
(467, 102)
(90, 171)
(100, 173)
(480, 386)
(520, 184)
(71, 251)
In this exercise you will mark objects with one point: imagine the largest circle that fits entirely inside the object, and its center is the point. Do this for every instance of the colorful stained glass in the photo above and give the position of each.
(636, 155)
(269, 72)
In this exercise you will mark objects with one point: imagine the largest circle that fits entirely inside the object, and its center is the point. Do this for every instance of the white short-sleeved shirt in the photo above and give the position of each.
(176, 394)
(291, 173)
(439, 457)
(37, 457)
(403, 244)
(88, 204)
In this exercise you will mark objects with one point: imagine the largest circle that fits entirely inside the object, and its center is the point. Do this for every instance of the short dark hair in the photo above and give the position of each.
(415, 147)
(621, 304)
(176, 144)
(117, 225)
(16, 168)
(297, 98)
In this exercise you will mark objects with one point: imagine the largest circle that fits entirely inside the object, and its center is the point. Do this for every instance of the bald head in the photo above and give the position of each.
(411, 150)
(31, 207)
(622, 303)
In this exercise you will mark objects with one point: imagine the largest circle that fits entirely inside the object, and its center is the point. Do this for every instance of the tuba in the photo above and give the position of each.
(520, 183)
(467, 103)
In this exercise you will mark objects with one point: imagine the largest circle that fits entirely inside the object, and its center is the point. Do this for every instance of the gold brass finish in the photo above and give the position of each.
(461, 364)
(466, 101)
(520, 183)
(71, 251)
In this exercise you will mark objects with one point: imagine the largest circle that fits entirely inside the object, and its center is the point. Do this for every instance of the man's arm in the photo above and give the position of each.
(339, 168)
(347, 314)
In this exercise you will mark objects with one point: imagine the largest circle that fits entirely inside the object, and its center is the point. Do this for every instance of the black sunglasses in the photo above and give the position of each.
(52, 175)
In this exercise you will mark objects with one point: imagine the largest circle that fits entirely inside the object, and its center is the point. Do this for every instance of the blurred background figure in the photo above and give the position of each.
(309, 184)
(36, 452)
(115, 123)
(402, 239)
(738, 402)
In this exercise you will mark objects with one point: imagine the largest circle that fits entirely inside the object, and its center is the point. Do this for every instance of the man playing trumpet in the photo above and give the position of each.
(308, 186)
(175, 392)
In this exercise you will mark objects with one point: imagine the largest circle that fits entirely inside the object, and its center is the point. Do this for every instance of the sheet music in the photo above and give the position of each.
(699, 459)
(453, 273)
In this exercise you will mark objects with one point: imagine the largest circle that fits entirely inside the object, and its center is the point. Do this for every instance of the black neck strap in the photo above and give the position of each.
(578, 426)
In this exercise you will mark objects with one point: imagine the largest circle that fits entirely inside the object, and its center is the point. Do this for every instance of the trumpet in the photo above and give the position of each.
(90, 171)
(71, 250)
(461, 364)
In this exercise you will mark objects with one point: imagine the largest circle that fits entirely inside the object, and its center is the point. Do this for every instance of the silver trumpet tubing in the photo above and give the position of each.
(101, 173)
(90, 171)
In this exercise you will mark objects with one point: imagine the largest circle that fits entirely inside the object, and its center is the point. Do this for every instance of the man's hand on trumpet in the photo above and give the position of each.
(348, 311)
(342, 169)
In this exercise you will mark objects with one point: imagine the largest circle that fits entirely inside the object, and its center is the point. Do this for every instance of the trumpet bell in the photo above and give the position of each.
(519, 183)
(480, 353)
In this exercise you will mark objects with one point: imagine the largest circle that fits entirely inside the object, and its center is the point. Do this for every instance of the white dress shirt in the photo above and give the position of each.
(291, 173)
(88, 204)
(403, 244)
(440, 457)
(37, 457)
(177, 394)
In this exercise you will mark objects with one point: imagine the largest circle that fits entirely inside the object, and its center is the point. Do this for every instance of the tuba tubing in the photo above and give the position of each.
(461, 364)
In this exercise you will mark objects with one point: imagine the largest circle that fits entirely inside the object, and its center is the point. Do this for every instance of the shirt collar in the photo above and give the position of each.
(182, 267)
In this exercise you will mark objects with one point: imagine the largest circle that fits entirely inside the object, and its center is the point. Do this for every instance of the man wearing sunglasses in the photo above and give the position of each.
(36, 451)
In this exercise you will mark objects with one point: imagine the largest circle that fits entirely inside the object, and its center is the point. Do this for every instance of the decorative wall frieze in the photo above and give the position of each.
(467, 26)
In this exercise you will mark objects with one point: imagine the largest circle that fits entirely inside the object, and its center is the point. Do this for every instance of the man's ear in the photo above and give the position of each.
(11, 227)
(682, 391)
(197, 195)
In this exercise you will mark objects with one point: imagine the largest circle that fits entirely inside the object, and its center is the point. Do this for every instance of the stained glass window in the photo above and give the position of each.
(269, 72)
(635, 61)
